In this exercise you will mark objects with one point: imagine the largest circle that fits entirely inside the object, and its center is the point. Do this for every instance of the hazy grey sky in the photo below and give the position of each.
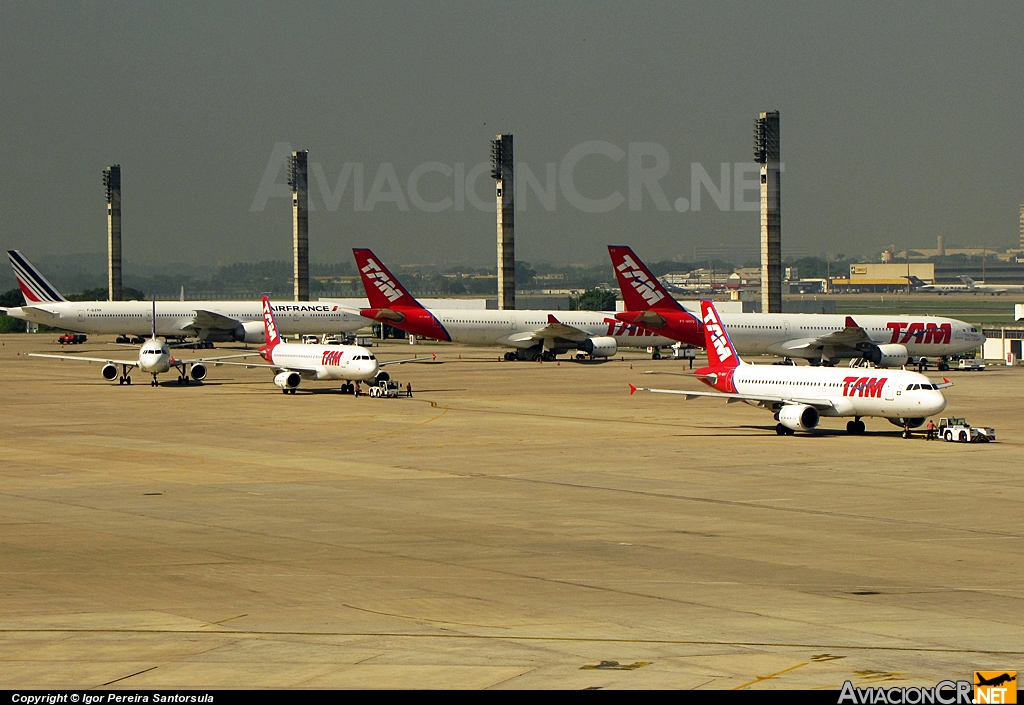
(899, 122)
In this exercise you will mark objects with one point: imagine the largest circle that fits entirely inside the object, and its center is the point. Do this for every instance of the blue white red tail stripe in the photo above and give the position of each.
(34, 286)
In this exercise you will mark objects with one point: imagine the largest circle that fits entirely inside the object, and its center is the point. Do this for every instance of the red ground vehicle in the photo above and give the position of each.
(72, 338)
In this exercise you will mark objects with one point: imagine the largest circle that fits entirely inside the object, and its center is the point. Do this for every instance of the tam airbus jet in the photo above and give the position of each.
(534, 335)
(800, 396)
(294, 361)
(886, 341)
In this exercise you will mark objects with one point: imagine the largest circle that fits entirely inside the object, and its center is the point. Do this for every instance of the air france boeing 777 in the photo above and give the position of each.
(210, 321)
(800, 396)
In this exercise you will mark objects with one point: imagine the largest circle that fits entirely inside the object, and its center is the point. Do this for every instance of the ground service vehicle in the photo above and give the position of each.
(970, 363)
(72, 339)
(957, 429)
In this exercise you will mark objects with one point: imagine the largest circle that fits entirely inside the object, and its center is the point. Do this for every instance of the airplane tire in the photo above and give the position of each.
(860, 427)
(656, 356)
(851, 427)
(780, 429)
(128, 380)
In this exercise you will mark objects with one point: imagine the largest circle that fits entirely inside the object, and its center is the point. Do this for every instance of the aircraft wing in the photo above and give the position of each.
(211, 320)
(432, 358)
(554, 329)
(759, 399)
(87, 359)
(850, 336)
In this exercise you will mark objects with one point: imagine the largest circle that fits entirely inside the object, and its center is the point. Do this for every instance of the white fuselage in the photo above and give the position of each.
(786, 334)
(512, 328)
(180, 317)
(351, 363)
(870, 392)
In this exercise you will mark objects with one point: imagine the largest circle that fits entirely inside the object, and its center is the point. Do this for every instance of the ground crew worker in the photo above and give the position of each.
(357, 389)
(931, 429)
(408, 388)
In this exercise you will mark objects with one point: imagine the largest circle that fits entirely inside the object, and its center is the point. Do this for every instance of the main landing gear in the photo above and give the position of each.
(124, 379)
(784, 430)
(855, 428)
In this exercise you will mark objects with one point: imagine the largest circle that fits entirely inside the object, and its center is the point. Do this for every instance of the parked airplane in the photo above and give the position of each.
(535, 335)
(940, 289)
(800, 396)
(983, 288)
(293, 361)
(154, 358)
(210, 321)
(886, 341)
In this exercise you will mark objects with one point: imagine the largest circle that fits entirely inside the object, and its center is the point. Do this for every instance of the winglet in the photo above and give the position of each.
(553, 321)
(632, 390)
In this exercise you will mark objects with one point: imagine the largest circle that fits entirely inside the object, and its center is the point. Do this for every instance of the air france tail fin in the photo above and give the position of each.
(641, 290)
(34, 286)
(382, 288)
(721, 352)
(269, 326)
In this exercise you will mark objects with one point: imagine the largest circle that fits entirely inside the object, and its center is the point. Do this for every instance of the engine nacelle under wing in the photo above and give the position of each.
(109, 372)
(600, 346)
(199, 372)
(250, 332)
(799, 417)
(912, 423)
(287, 380)
(889, 355)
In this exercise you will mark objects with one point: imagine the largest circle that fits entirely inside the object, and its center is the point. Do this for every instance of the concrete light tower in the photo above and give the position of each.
(112, 184)
(503, 173)
(766, 153)
(298, 179)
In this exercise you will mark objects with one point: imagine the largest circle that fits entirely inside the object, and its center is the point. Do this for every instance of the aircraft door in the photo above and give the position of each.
(785, 327)
(81, 316)
(958, 333)
(890, 389)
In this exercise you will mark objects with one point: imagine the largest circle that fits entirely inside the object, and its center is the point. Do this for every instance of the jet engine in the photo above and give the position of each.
(798, 417)
(109, 372)
(891, 355)
(381, 378)
(250, 332)
(287, 380)
(199, 372)
(913, 423)
(602, 346)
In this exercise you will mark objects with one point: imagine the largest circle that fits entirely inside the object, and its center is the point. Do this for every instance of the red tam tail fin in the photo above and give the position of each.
(721, 352)
(269, 326)
(641, 290)
(382, 288)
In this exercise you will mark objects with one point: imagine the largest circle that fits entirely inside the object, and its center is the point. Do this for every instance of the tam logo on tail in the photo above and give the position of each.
(721, 352)
(640, 281)
(381, 280)
(641, 290)
(269, 324)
